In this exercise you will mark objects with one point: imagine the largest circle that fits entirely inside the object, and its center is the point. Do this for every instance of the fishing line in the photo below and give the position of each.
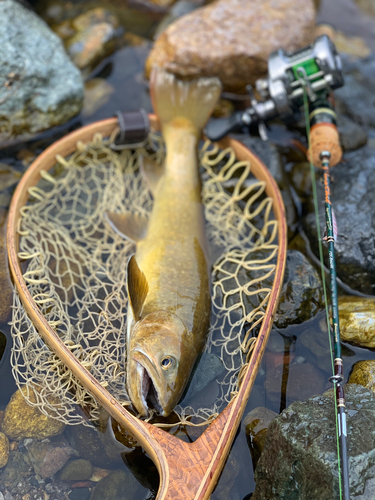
(315, 198)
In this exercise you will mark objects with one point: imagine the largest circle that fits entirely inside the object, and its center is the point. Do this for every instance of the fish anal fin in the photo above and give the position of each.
(153, 172)
(128, 225)
(137, 287)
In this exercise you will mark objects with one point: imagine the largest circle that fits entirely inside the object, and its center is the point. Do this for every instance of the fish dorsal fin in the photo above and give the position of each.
(137, 287)
(153, 172)
(128, 225)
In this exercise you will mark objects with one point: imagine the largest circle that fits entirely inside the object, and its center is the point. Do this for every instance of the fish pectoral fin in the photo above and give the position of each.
(137, 286)
(130, 226)
(152, 172)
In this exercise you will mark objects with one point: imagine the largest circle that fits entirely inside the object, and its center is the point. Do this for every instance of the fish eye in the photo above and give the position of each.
(167, 363)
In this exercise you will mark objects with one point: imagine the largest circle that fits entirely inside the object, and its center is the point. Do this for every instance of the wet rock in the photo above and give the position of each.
(300, 178)
(352, 189)
(89, 47)
(303, 381)
(356, 99)
(39, 86)
(302, 292)
(97, 93)
(116, 486)
(49, 456)
(98, 474)
(357, 321)
(179, 9)
(232, 39)
(17, 468)
(89, 444)
(352, 135)
(4, 450)
(24, 421)
(256, 424)
(79, 494)
(94, 16)
(316, 340)
(364, 374)
(76, 470)
(299, 460)
(223, 109)
(6, 290)
(367, 6)
(210, 368)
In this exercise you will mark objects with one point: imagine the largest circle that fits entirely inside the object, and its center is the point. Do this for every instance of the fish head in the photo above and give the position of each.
(161, 355)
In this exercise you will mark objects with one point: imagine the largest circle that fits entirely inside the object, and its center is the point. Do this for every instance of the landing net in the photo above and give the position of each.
(75, 269)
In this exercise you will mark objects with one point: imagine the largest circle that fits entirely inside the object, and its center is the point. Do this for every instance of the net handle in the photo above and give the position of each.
(172, 457)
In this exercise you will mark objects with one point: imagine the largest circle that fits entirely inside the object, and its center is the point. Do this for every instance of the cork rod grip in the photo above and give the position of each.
(324, 137)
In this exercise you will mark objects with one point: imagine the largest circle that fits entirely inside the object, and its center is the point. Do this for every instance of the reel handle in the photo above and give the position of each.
(217, 128)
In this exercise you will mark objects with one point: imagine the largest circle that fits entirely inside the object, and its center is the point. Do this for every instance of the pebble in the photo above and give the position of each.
(256, 424)
(4, 450)
(363, 373)
(76, 470)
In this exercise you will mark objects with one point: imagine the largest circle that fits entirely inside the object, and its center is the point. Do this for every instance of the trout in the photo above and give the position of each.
(168, 281)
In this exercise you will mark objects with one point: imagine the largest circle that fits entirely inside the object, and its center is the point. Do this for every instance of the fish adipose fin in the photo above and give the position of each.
(173, 98)
(137, 287)
(152, 172)
(130, 226)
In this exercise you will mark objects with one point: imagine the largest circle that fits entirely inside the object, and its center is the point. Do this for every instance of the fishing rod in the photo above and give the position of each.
(306, 79)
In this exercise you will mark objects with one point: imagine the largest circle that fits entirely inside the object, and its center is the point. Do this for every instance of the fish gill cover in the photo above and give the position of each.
(75, 269)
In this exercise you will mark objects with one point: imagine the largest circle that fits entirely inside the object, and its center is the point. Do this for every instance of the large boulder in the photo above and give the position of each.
(299, 460)
(39, 85)
(233, 39)
(357, 321)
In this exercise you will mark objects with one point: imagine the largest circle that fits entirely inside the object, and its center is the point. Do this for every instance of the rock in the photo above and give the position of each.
(48, 457)
(24, 421)
(39, 86)
(352, 135)
(316, 340)
(357, 321)
(94, 16)
(256, 424)
(116, 486)
(299, 460)
(210, 368)
(89, 47)
(363, 373)
(232, 39)
(97, 93)
(8, 176)
(76, 470)
(300, 178)
(80, 494)
(89, 444)
(351, 45)
(17, 468)
(304, 380)
(6, 290)
(356, 99)
(179, 9)
(367, 6)
(302, 292)
(353, 185)
(223, 109)
(4, 450)
(98, 474)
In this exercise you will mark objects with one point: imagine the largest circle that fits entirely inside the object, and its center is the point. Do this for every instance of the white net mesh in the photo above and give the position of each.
(74, 267)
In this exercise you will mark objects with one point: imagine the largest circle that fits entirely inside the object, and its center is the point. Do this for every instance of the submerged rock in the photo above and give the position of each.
(364, 374)
(118, 485)
(39, 85)
(48, 457)
(256, 424)
(4, 450)
(302, 292)
(357, 321)
(97, 93)
(232, 39)
(367, 6)
(303, 380)
(352, 194)
(76, 470)
(24, 421)
(299, 460)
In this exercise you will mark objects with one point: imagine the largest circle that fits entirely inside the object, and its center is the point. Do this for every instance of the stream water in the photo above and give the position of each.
(127, 90)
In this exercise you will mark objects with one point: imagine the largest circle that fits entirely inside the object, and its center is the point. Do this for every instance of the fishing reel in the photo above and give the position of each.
(315, 69)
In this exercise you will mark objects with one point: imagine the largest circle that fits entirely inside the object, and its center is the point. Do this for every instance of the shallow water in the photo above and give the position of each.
(124, 72)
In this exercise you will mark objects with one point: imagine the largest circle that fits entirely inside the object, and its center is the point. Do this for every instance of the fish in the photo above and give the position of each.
(168, 278)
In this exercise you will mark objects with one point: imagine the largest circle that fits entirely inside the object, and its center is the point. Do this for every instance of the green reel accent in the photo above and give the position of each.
(310, 67)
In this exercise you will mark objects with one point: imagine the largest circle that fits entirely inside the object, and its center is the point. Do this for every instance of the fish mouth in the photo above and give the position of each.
(147, 375)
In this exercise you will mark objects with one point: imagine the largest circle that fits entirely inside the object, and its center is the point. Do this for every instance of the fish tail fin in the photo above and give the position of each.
(192, 100)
